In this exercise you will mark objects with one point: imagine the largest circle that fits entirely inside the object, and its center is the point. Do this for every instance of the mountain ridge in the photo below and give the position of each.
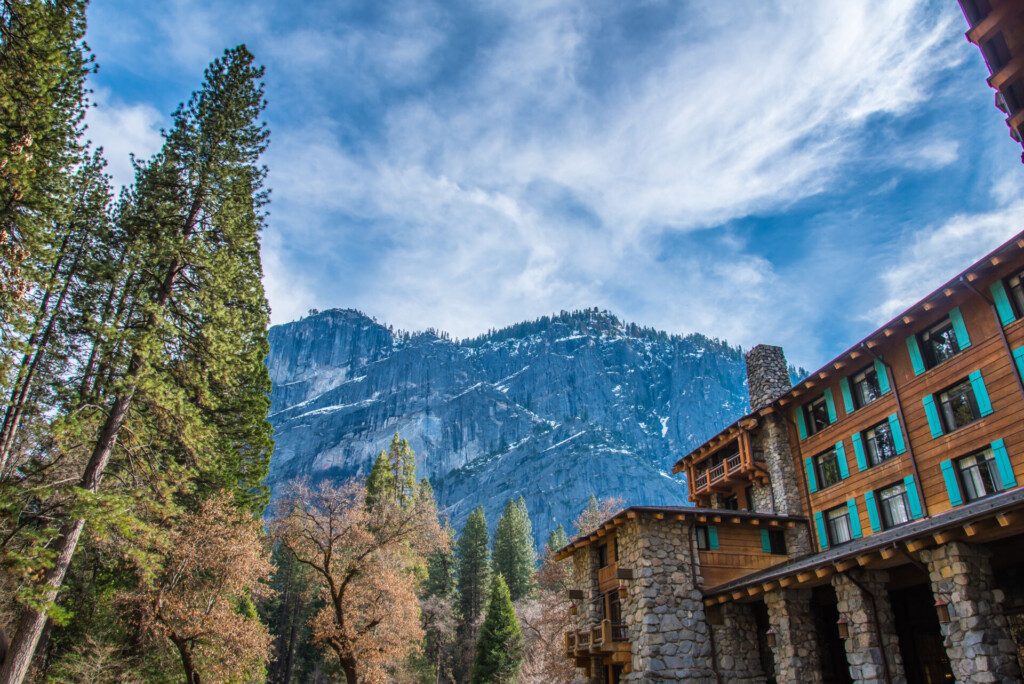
(554, 409)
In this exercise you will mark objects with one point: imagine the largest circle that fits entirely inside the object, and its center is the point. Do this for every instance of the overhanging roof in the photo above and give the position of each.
(716, 515)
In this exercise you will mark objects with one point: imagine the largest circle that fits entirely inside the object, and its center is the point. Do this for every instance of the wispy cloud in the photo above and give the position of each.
(466, 167)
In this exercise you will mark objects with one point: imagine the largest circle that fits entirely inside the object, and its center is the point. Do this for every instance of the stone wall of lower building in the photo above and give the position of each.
(664, 609)
(872, 647)
(735, 640)
(977, 636)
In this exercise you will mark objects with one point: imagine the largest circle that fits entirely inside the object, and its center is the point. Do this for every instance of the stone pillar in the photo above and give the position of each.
(668, 630)
(797, 658)
(735, 632)
(873, 647)
(976, 637)
(584, 579)
(767, 375)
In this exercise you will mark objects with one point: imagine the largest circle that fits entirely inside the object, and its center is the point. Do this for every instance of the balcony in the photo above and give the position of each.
(717, 473)
(604, 637)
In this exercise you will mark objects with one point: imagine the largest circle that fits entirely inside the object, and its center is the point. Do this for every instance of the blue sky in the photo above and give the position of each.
(784, 172)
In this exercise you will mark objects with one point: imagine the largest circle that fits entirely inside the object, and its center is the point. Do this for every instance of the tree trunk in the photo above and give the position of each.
(191, 676)
(348, 666)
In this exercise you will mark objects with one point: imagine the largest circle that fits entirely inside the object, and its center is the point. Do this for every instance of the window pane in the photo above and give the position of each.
(828, 468)
(865, 387)
(895, 508)
(880, 444)
(1017, 293)
(979, 475)
(702, 537)
(839, 525)
(959, 407)
(817, 415)
(939, 343)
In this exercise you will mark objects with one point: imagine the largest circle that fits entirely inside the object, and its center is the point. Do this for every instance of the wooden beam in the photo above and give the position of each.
(918, 544)
(790, 524)
(1007, 519)
(736, 520)
(773, 523)
(786, 582)
(755, 522)
(680, 517)
(702, 518)
(753, 591)
(949, 292)
(716, 518)
(805, 576)
(844, 565)
(864, 559)
(887, 553)
(947, 536)
(823, 572)
(737, 595)
(659, 516)
(631, 515)
(975, 528)
(769, 586)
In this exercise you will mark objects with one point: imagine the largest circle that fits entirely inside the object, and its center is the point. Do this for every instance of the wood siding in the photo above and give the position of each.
(739, 553)
(987, 353)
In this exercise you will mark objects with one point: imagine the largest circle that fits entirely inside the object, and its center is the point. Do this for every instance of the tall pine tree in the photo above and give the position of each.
(499, 650)
(515, 558)
(183, 364)
(474, 568)
(558, 539)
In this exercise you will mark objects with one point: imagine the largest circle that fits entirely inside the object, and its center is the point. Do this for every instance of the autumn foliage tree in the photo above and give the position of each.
(363, 558)
(596, 513)
(200, 602)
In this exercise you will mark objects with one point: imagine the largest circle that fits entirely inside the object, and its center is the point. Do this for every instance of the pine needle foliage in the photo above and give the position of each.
(499, 650)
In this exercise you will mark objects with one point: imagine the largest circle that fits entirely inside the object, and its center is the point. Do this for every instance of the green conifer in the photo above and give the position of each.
(473, 566)
(499, 650)
(380, 485)
(514, 556)
(558, 539)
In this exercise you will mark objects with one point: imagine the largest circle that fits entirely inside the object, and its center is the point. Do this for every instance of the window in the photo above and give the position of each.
(894, 505)
(777, 542)
(958, 406)
(702, 537)
(879, 443)
(979, 475)
(827, 466)
(838, 525)
(731, 503)
(1016, 287)
(865, 387)
(817, 415)
(938, 343)
(602, 556)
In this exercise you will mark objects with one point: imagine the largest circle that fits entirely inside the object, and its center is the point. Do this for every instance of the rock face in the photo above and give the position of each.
(554, 410)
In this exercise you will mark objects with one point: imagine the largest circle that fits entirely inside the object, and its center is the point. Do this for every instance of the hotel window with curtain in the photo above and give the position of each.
(838, 525)
(879, 443)
(979, 475)
(826, 465)
(817, 415)
(958, 406)
(866, 387)
(894, 505)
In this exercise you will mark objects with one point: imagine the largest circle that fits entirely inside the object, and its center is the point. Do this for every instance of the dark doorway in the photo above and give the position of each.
(760, 611)
(917, 625)
(834, 668)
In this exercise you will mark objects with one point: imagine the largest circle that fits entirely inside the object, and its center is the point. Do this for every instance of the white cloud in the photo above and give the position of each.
(937, 253)
(529, 189)
(123, 129)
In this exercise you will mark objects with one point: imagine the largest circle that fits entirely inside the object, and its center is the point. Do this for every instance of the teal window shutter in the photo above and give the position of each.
(858, 452)
(897, 434)
(916, 360)
(854, 519)
(1003, 306)
(883, 376)
(801, 422)
(812, 481)
(844, 469)
(844, 387)
(1003, 463)
(831, 404)
(819, 520)
(980, 393)
(1018, 356)
(959, 329)
(934, 424)
(872, 505)
(712, 538)
(952, 485)
(766, 544)
(913, 497)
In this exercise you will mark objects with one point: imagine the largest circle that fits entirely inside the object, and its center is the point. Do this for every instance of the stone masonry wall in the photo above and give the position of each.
(977, 639)
(668, 629)
(797, 657)
(873, 644)
(735, 633)
(767, 375)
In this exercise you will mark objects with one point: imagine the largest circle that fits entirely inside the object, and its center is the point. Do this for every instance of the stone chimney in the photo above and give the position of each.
(767, 375)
